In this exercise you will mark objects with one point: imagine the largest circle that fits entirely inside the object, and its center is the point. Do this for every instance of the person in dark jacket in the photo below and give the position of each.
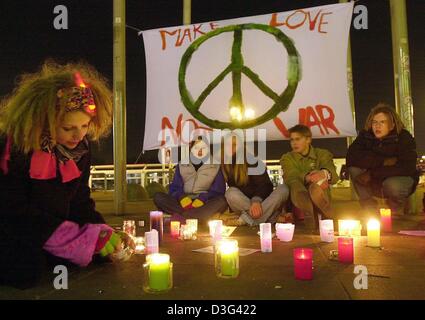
(46, 213)
(197, 189)
(251, 196)
(382, 160)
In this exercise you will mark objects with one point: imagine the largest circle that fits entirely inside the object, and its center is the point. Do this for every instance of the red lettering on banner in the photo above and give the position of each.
(281, 127)
(323, 22)
(312, 117)
(309, 118)
(185, 35)
(328, 123)
(303, 16)
(177, 132)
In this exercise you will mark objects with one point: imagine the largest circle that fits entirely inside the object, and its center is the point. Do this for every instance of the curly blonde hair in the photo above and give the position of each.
(31, 107)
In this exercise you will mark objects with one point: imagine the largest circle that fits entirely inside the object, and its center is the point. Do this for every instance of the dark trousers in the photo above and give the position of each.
(169, 204)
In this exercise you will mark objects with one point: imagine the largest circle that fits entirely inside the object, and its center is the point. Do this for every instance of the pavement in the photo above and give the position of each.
(395, 271)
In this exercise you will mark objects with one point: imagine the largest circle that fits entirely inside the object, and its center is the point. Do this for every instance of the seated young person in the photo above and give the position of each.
(197, 189)
(251, 196)
(308, 172)
(382, 160)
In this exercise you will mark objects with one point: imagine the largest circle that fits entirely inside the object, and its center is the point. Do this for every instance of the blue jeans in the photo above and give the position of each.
(395, 189)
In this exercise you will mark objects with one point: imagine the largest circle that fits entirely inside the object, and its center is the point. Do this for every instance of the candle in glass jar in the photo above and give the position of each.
(386, 221)
(266, 237)
(303, 263)
(140, 245)
(175, 228)
(373, 233)
(156, 222)
(345, 250)
(129, 227)
(349, 228)
(285, 231)
(159, 271)
(227, 258)
(192, 224)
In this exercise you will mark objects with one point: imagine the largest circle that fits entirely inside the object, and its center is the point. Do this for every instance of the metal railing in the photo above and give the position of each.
(102, 176)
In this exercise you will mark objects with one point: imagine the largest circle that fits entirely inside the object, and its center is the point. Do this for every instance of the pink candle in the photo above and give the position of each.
(266, 237)
(175, 228)
(345, 250)
(303, 263)
(386, 222)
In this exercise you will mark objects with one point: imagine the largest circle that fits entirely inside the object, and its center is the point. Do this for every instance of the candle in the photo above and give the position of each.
(140, 247)
(175, 228)
(185, 232)
(227, 258)
(303, 263)
(129, 227)
(156, 222)
(345, 250)
(349, 228)
(192, 224)
(159, 272)
(285, 231)
(386, 220)
(373, 233)
(151, 242)
(266, 237)
(215, 229)
(326, 230)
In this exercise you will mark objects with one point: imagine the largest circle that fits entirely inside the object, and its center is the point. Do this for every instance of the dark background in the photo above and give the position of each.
(28, 38)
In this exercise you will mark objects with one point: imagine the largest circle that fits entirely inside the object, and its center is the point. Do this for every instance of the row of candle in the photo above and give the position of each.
(158, 268)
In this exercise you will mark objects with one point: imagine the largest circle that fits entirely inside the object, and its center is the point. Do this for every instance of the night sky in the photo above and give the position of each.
(28, 38)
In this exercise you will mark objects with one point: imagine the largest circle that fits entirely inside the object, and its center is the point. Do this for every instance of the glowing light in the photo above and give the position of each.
(249, 113)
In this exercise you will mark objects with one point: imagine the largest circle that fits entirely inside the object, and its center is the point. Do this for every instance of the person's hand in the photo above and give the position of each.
(112, 245)
(256, 210)
(197, 203)
(364, 178)
(308, 177)
(186, 203)
(316, 176)
(390, 162)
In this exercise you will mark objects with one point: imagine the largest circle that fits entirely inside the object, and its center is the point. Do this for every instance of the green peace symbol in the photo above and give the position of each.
(237, 67)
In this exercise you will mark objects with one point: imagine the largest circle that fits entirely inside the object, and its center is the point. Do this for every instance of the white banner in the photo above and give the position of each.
(271, 71)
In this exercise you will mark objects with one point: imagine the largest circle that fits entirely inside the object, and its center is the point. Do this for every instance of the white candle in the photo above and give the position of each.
(266, 237)
(326, 230)
(152, 241)
(285, 231)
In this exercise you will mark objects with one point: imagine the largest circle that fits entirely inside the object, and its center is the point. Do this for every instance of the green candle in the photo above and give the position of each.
(229, 258)
(159, 271)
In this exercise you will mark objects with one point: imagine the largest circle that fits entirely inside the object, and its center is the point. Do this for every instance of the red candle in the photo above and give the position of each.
(303, 263)
(386, 222)
(345, 250)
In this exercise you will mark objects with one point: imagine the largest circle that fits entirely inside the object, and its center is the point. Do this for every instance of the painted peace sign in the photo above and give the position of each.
(237, 67)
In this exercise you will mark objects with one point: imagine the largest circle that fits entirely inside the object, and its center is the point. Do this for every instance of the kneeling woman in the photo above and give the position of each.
(197, 189)
(46, 213)
(251, 196)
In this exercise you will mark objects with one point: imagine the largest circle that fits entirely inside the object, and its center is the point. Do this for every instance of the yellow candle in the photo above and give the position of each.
(349, 228)
(373, 233)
